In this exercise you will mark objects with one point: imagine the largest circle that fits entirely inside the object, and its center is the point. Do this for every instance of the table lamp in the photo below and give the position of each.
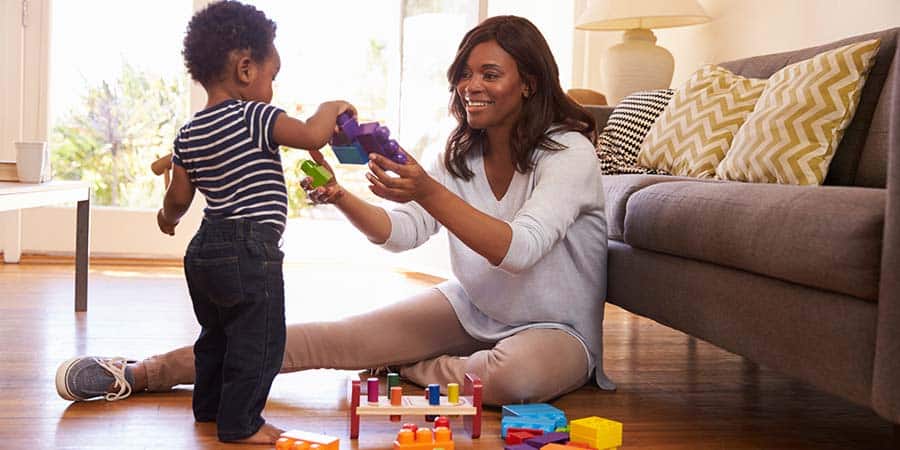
(637, 63)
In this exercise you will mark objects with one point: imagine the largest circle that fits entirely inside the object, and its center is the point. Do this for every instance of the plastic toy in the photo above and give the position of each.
(355, 141)
(411, 437)
(320, 175)
(300, 440)
(517, 447)
(520, 435)
(569, 446)
(468, 406)
(541, 416)
(536, 423)
(395, 392)
(597, 432)
(547, 438)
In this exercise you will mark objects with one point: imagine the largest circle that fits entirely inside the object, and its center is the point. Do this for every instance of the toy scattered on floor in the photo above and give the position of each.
(304, 440)
(539, 416)
(547, 438)
(569, 446)
(320, 175)
(355, 141)
(467, 405)
(519, 435)
(597, 432)
(411, 437)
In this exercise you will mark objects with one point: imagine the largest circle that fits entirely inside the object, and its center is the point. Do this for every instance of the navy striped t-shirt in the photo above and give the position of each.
(231, 157)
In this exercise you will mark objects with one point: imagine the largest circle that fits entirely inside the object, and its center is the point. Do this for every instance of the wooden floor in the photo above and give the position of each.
(675, 392)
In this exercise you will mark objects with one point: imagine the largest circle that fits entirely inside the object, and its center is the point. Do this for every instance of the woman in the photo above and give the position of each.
(519, 190)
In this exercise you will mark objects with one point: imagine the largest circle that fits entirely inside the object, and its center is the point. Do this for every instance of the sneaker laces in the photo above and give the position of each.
(116, 368)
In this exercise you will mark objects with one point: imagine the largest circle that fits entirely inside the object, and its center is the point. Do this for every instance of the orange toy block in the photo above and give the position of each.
(302, 440)
(424, 439)
(569, 446)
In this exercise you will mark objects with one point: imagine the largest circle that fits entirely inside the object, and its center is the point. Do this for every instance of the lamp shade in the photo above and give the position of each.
(630, 14)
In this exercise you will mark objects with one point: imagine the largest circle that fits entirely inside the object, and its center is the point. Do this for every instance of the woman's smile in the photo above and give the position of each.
(477, 105)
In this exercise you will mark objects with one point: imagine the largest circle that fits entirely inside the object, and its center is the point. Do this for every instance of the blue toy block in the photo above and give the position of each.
(547, 438)
(538, 423)
(537, 410)
(350, 154)
(355, 141)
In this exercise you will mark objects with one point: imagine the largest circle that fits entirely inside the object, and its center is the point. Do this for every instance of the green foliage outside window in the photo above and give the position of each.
(116, 131)
(121, 127)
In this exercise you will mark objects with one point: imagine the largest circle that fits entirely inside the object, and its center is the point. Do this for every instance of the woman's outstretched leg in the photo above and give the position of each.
(421, 327)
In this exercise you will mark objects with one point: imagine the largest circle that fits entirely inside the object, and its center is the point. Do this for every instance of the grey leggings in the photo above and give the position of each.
(423, 337)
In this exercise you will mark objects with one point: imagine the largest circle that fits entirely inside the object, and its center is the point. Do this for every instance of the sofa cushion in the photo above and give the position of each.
(861, 157)
(791, 135)
(626, 127)
(618, 188)
(696, 128)
(823, 237)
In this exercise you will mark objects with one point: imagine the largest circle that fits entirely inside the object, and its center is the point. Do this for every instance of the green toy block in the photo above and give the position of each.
(320, 175)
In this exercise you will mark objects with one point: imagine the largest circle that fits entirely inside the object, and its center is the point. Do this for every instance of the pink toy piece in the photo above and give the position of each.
(372, 390)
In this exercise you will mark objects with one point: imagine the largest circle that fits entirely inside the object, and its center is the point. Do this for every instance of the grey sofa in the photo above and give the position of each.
(805, 280)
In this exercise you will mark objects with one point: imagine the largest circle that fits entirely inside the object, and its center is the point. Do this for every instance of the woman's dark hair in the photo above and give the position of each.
(215, 31)
(548, 106)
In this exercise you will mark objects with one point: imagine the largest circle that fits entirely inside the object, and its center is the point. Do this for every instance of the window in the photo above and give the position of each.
(118, 94)
(118, 89)
(432, 30)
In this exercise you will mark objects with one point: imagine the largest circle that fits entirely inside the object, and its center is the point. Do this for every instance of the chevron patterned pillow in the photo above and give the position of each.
(792, 134)
(626, 128)
(696, 128)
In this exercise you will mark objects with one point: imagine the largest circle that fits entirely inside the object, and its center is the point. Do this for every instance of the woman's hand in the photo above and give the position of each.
(331, 192)
(412, 183)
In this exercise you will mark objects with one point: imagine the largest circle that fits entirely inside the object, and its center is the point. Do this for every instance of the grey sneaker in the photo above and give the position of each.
(89, 377)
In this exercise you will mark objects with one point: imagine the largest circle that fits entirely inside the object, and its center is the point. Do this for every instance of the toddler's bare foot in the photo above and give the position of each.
(267, 435)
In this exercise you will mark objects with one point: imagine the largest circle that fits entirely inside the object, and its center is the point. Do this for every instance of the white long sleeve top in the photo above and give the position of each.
(554, 273)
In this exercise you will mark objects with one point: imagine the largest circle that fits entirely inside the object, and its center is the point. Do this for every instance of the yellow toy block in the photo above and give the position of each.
(424, 439)
(303, 440)
(596, 431)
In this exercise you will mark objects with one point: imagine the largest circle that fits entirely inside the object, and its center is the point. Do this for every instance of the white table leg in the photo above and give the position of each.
(11, 235)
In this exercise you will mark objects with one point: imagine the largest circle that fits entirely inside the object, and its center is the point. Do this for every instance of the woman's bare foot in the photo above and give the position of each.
(267, 435)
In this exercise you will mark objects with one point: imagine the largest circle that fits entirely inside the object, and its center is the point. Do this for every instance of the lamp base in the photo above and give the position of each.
(636, 64)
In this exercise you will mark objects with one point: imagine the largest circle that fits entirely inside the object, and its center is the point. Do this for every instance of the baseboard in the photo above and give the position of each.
(113, 260)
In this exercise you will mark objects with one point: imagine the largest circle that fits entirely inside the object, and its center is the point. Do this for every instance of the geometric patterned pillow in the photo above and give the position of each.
(791, 136)
(628, 124)
(697, 127)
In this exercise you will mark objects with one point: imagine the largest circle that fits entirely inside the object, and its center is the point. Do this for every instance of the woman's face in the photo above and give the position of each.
(490, 87)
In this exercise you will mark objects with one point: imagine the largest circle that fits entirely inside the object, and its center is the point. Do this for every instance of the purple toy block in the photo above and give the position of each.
(356, 140)
(548, 438)
(518, 447)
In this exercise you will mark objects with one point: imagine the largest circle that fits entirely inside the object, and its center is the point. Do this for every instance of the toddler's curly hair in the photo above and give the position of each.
(215, 31)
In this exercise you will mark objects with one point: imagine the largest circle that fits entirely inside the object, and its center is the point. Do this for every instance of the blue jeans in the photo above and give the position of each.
(234, 274)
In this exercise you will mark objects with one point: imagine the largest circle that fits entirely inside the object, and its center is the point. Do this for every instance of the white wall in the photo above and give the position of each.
(742, 28)
(23, 90)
